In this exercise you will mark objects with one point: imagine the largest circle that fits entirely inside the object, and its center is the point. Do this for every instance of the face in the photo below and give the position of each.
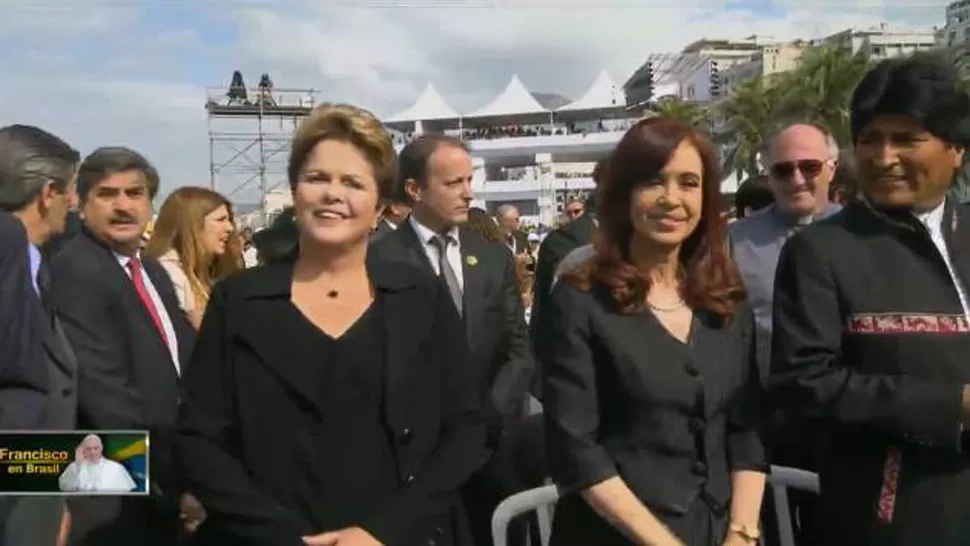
(446, 197)
(666, 210)
(575, 209)
(56, 204)
(902, 165)
(800, 170)
(92, 450)
(336, 200)
(118, 209)
(510, 222)
(217, 228)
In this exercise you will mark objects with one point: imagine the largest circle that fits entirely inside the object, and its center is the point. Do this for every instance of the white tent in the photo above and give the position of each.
(604, 93)
(429, 106)
(516, 99)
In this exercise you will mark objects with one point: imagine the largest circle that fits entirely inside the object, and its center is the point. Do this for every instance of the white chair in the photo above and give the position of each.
(541, 500)
(780, 480)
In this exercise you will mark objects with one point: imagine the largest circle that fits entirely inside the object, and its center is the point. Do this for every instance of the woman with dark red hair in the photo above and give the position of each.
(649, 379)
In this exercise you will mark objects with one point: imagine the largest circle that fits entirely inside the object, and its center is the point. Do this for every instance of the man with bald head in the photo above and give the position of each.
(92, 472)
(800, 161)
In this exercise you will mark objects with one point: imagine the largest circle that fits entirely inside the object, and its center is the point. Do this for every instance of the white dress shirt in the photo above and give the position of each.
(453, 253)
(167, 325)
(933, 221)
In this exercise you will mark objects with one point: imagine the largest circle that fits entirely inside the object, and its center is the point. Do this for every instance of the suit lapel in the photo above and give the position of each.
(273, 347)
(956, 226)
(403, 332)
(474, 275)
(413, 246)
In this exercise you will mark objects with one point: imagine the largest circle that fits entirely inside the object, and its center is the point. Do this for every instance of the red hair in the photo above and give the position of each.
(711, 279)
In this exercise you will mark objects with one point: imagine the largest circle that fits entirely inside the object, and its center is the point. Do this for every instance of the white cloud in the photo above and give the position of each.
(144, 85)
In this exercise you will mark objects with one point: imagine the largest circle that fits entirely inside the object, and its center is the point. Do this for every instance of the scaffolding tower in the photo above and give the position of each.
(249, 139)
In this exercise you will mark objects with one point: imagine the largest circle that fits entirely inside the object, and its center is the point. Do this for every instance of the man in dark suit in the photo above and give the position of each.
(37, 171)
(122, 318)
(509, 223)
(435, 175)
(558, 244)
(23, 375)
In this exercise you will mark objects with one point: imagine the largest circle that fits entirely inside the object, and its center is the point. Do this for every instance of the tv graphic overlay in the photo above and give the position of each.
(74, 463)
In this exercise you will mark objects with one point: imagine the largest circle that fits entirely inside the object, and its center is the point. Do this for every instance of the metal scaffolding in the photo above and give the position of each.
(249, 138)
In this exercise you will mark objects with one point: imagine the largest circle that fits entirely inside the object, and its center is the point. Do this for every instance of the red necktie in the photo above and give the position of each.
(134, 265)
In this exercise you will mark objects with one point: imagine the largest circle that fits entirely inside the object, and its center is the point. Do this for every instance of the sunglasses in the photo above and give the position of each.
(810, 168)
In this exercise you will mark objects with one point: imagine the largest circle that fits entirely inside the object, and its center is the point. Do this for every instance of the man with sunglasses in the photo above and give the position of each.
(801, 160)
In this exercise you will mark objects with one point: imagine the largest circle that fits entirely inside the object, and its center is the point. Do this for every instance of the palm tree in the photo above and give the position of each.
(821, 88)
(688, 112)
(745, 120)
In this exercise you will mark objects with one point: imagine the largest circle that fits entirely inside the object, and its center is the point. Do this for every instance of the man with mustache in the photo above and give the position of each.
(872, 320)
(91, 471)
(122, 318)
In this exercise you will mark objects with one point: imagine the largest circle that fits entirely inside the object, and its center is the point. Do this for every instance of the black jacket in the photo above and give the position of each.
(248, 407)
(870, 339)
(625, 398)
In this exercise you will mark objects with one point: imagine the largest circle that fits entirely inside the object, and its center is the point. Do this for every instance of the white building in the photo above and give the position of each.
(690, 74)
(956, 32)
(882, 41)
(523, 153)
(772, 59)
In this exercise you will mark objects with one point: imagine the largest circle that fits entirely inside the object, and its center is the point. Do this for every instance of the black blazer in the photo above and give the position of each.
(495, 327)
(624, 398)
(24, 384)
(126, 380)
(244, 404)
(61, 362)
(870, 339)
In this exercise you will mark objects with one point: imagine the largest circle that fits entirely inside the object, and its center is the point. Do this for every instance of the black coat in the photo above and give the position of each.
(870, 339)
(247, 404)
(126, 381)
(498, 338)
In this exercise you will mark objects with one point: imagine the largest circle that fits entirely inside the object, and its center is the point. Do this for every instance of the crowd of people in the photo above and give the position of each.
(374, 378)
(489, 132)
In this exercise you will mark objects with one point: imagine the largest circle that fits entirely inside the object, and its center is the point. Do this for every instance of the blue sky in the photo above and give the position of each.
(132, 72)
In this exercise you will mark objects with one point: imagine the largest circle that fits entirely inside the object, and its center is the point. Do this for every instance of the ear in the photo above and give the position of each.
(46, 198)
(413, 189)
(381, 207)
(956, 154)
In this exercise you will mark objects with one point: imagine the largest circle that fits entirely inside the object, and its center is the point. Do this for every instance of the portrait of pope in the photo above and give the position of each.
(91, 471)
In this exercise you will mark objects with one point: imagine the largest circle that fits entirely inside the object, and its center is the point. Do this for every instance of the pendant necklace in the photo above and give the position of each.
(675, 307)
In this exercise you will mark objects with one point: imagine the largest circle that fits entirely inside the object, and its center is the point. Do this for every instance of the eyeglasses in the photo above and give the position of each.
(810, 168)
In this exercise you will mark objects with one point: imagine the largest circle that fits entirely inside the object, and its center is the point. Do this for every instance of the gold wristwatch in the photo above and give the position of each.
(746, 532)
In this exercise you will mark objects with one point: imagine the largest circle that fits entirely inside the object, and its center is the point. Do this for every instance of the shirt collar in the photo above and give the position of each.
(933, 218)
(425, 233)
(123, 260)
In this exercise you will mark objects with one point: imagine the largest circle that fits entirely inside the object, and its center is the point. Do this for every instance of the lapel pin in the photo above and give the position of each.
(471, 260)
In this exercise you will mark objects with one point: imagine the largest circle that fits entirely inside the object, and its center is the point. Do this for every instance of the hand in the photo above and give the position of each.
(352, 536)
(191, 512)
(79, 453)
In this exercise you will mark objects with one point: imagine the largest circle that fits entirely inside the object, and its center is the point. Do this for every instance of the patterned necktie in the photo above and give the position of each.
(135, 267)
(445, 270)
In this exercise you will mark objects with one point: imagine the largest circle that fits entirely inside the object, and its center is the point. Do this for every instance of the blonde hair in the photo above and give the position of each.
(179, 227)
(353, 125)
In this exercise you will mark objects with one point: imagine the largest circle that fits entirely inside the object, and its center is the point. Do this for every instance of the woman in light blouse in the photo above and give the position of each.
(192, 241)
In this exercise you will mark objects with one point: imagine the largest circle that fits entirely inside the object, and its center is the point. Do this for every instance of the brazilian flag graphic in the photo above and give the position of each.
(131, 450)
